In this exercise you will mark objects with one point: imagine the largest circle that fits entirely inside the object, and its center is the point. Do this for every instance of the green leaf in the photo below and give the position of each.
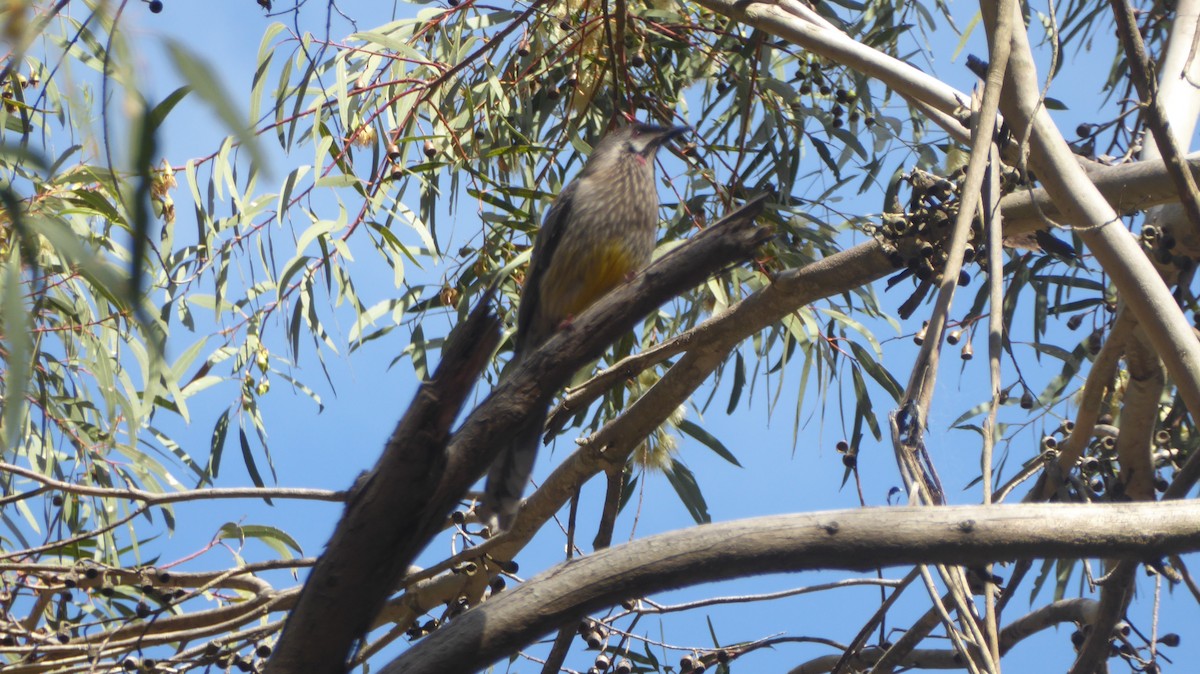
(160, 111)
(216, 448)
(826, 156)
(266, 50)
(19, 359)
(277, 539)
(684, 482)
(298, 385)
(877, 371)
(708, 440)
(739, 382)
(248, 458)
(102, 277)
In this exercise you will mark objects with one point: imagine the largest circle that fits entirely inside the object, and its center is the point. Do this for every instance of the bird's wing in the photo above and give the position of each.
(543, 252)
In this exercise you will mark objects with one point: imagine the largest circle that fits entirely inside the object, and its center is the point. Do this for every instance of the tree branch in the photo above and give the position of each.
(846, 539)
(163, 498)
(1156, 116)
(351, 581)
(1067, 610)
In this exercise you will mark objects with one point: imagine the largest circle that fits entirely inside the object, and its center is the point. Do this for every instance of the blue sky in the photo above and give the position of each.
(329, 449)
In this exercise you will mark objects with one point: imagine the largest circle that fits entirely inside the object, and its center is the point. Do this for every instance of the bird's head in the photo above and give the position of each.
(636, 141)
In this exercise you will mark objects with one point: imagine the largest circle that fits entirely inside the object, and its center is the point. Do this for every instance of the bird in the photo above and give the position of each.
(600, 231)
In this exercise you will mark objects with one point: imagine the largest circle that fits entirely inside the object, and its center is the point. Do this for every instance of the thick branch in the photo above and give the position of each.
(1139, 417)
(1128, 188)
(350, 582)
(1156, 116)
(803, 28)
(848, 539)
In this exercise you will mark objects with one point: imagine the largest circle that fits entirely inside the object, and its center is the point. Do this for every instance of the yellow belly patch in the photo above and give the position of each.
(574, 282)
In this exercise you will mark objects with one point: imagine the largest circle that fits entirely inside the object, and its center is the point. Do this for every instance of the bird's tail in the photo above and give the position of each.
(510, 471)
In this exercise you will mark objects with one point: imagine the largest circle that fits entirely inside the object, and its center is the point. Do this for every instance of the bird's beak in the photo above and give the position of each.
(667, 133)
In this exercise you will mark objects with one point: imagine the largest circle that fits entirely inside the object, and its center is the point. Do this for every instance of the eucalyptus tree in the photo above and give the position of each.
(838, 222)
